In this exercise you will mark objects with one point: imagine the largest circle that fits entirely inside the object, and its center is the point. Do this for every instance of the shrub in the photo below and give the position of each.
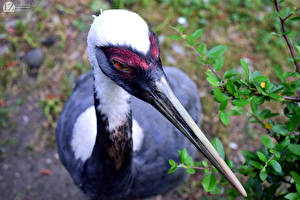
(272, 171)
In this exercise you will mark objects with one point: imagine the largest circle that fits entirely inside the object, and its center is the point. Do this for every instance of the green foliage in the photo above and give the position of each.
(210, 183)
(273, 171)
(52, 107)
(4, 118)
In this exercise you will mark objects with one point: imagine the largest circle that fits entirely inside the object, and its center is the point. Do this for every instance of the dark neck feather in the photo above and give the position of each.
(113, 148)
(109, 169)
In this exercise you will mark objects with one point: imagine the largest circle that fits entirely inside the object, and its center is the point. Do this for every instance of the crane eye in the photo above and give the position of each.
(120, 66)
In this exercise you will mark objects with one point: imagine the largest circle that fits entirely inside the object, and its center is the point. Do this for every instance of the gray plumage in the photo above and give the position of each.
(160, 143)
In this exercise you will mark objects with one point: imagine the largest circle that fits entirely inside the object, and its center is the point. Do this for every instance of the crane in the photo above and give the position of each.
(123, 121)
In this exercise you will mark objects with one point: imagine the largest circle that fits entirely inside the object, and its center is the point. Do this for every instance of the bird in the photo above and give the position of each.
(128, 116)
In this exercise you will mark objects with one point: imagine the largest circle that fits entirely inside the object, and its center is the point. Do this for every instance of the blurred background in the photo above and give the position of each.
(43, 51)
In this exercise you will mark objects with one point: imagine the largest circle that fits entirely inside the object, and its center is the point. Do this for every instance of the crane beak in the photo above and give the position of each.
(164, 100)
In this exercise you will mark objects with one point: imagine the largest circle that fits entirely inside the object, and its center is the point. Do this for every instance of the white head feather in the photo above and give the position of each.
(120, 27)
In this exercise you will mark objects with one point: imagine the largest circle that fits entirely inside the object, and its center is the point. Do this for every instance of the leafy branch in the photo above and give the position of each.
(277, 161)
(209, 182)
(213, 59)
(285, 35)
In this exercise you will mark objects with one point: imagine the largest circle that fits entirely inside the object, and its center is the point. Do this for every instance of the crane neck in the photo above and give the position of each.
(113, 145)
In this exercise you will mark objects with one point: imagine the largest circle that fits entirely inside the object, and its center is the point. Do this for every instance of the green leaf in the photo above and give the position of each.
(201, 49)
(185, 157)
(218, 64)
(180, 29)
(216, 190)
(223, 105)
(256, 164)
(292, 196)
(172, 170)
(211, 78)
(248, 155)
(261, 156)
(279, 73)
(217, 51)
(275, 88)
(293, 122)
(198, 33)
(219, 147)
(267, 142)
(230, 73)
(260, 79)
(224, 117)
(240, 102)
(245, 67)
(209, 182)
(263, 175)
(295, 149)
(276, 96)
(190, 171)
(295, 18)
(280, 129)
(260, 90)
(230, 164)
(298, 188)
(175, 37)
(245, 92)
(172, 163)
(258, 100)
(213, 81)
(266, 113)
(190, 40)
(197, 164)
(276, 166)
(230, 87)
(254, 106)
(204, 163)
(276, 34)
(219, 95)
(296, 177)
(297, 111)
(284, 12)
(236, 111)
(283, 145)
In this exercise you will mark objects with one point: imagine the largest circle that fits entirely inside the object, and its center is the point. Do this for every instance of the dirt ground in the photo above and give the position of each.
(28, 173)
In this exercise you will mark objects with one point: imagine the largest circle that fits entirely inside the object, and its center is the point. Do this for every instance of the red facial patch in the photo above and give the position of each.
(154, 46)
(127, 57)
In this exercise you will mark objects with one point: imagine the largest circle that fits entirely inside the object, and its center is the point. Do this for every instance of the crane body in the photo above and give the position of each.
(128, 116)
(155, 140)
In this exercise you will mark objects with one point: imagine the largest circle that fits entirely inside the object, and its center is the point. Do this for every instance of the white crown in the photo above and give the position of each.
(120, 27)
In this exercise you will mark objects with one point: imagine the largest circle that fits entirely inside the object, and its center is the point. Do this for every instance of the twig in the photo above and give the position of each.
(282, 21)
(191, 167)
(211, 69)
(260, 121)
(267, 162)
(296, 99)
(215, 73)
(291, 14)
(293, 131)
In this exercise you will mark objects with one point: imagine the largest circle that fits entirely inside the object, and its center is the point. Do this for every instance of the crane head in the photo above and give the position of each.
(122, 45)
